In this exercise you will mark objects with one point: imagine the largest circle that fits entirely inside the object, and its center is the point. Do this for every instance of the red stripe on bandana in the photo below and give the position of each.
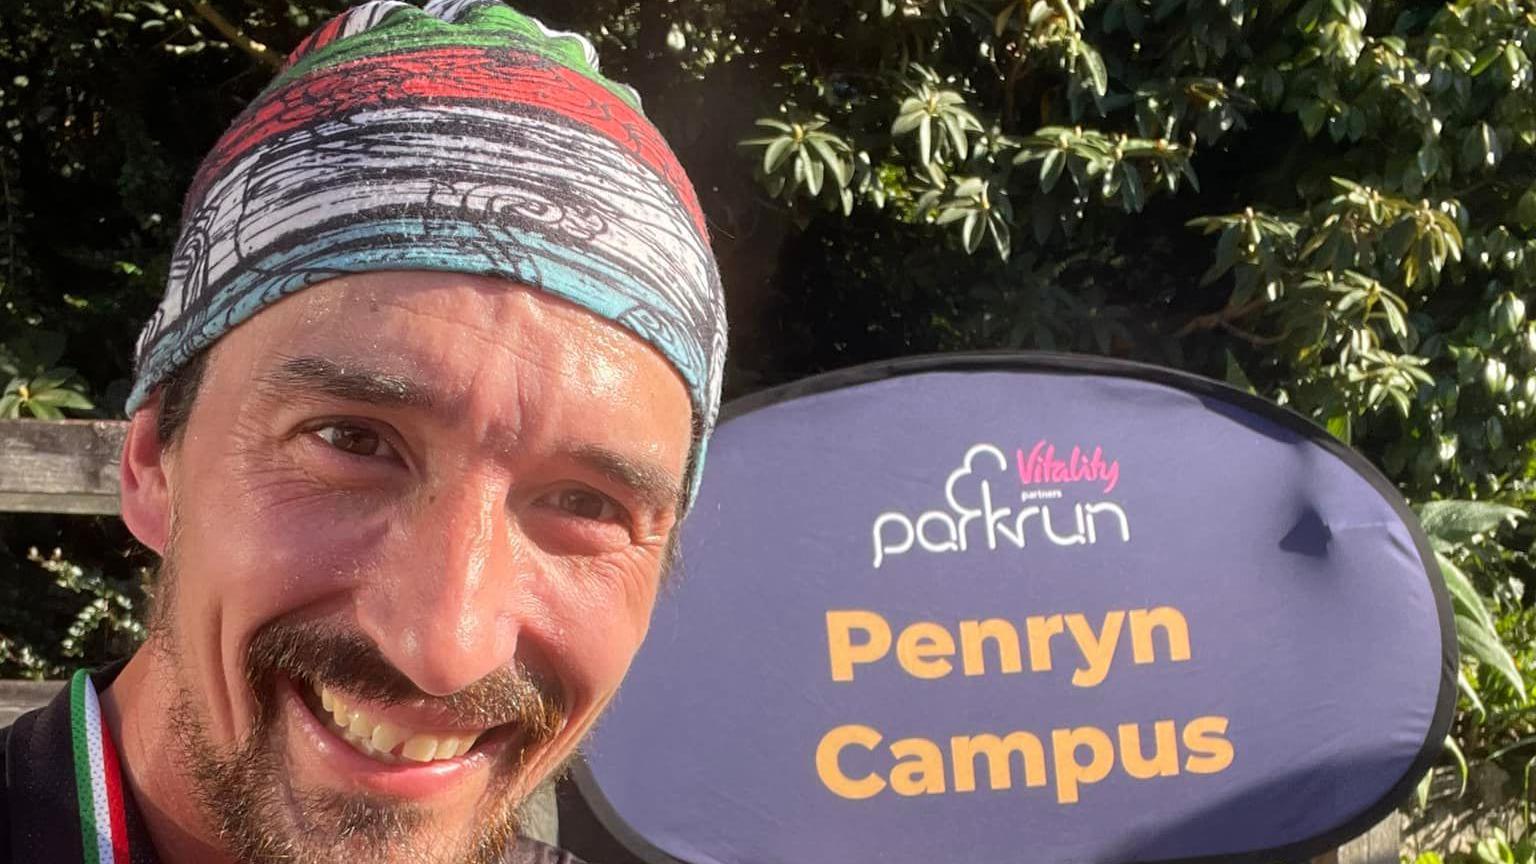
(319, 39)
(477, 76)
(114, 795)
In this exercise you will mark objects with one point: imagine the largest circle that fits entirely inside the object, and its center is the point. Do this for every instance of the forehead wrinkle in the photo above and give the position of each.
(504, 307)
(495, 331)
(586, 355)
(495, 384)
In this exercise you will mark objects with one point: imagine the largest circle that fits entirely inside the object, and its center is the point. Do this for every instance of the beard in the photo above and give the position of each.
(246, 794)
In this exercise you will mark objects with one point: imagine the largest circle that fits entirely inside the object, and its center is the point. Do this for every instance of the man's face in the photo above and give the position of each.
(428, 512)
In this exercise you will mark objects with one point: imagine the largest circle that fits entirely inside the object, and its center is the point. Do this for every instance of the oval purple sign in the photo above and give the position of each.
(1028, 608)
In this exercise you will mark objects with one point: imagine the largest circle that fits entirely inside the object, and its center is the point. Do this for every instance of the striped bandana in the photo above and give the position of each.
(462, 137)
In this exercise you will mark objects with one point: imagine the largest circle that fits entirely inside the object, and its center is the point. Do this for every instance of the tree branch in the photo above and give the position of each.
(229, 31)
(10, 229)
(1220, 318)
(1254, 339)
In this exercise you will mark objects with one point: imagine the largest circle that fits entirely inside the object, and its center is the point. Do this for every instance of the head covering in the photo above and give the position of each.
(462, 137)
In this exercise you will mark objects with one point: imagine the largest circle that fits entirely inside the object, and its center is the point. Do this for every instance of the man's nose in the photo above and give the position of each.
(442, 606)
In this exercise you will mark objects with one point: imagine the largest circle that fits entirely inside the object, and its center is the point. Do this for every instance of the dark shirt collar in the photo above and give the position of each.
(44, 785)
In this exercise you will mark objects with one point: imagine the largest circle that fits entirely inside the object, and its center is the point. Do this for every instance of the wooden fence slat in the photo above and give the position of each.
(67, 466)
(19, 697)
(1380, 845)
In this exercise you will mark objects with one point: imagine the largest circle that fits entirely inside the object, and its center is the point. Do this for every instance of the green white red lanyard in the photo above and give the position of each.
(98, 778)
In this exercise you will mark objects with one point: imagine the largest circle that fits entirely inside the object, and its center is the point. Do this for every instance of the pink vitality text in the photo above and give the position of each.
(1042, 466)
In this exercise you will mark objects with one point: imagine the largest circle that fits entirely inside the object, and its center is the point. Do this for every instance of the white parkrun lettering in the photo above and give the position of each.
(951, 530)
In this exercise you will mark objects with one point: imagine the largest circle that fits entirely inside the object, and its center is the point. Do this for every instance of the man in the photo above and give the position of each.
(412, 432)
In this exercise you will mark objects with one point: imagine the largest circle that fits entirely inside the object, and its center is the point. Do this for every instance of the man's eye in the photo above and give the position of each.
(585, 504)
(356, 440)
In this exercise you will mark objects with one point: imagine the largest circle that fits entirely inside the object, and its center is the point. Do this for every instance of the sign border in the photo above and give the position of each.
(1081, 364)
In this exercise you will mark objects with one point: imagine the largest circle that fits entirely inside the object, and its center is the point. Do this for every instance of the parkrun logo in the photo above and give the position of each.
(970, 498)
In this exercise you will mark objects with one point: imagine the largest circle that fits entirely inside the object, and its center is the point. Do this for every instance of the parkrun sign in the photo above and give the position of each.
(1028, 608)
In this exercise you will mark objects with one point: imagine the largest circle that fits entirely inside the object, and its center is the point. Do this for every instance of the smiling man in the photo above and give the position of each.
(412, 432)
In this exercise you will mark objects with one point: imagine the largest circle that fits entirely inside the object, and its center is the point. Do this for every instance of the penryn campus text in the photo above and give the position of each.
(1061, 762)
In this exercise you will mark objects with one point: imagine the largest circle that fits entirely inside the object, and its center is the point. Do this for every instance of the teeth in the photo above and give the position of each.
(421, 748)
(382, 740)
(386, 736)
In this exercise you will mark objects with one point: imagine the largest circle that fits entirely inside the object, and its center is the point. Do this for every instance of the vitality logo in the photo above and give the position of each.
(1041, 467)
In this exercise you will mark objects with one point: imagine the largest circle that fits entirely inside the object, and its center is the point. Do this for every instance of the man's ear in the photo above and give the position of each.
(143, 482)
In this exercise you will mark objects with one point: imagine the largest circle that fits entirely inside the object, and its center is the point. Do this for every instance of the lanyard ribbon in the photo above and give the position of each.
(98, 778)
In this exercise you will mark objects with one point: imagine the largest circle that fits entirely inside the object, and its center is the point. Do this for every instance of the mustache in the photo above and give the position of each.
(352, 664)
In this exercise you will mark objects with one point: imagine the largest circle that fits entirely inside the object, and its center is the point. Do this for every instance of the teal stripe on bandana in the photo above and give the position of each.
(416, 244)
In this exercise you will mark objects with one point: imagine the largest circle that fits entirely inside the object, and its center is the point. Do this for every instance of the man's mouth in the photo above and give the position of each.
(382, 739)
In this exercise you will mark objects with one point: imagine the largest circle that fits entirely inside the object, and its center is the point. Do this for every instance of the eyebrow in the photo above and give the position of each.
(653, 483)
(321, 376)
